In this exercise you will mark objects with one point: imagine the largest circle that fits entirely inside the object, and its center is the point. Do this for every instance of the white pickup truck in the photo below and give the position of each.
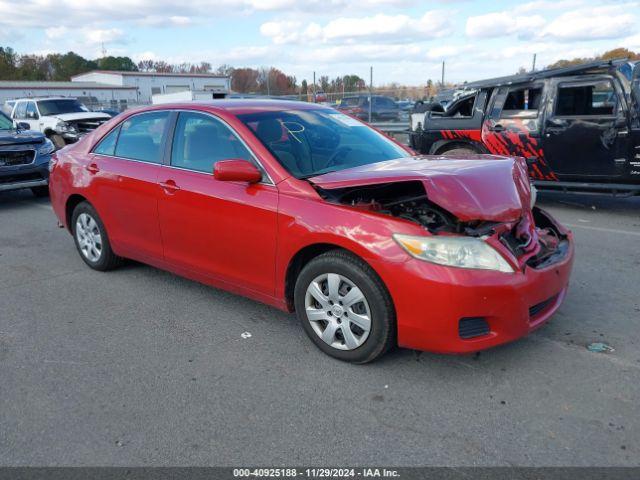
(63, 120)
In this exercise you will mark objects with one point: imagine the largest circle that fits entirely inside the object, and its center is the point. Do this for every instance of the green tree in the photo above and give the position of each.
(124, 64)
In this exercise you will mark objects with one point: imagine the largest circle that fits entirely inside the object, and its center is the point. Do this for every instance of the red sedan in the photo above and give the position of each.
(307, 209)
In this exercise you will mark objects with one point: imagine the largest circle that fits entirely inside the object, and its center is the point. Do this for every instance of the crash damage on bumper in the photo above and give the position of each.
(481, 197)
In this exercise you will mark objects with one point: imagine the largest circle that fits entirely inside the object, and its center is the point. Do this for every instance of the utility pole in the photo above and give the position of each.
(370, 91)
(533, 67)
(442, 80)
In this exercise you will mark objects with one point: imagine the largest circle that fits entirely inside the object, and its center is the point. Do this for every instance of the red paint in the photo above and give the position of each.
(242, 237)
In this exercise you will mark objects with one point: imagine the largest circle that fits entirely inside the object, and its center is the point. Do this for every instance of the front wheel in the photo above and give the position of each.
(58, 140)
(91, 239)
(345, 308)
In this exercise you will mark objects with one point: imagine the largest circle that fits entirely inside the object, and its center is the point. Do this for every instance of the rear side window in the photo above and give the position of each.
(107, 145)
(200, 141)
(141, 137)
(595, 99)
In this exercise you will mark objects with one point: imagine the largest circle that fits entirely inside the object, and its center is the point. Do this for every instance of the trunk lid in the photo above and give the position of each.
(475, 187)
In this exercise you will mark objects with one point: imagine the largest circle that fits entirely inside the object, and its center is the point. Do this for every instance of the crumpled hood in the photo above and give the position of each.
(20, 137)
(70, 117)
(474, 187)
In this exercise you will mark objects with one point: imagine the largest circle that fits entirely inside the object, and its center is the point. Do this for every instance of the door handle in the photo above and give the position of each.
(92, 168)
(497, 128)
(169, 186)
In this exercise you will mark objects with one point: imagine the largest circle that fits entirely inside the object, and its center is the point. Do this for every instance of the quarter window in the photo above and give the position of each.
(200, 141)
(596, 99)
(107, 145)
(141, 137)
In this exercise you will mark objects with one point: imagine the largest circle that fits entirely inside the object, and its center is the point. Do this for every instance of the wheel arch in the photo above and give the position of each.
(303, 256)
(72, 202)
(442, 146)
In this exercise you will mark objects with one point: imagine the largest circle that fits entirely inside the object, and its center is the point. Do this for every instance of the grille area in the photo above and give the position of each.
(10, 158)
(86, 126)
(472, 327)
(540, 307)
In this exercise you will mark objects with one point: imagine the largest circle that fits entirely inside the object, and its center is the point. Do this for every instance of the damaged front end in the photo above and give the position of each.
(532, 238)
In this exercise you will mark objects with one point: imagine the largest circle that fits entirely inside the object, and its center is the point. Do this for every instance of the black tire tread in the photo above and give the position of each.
(381, 290)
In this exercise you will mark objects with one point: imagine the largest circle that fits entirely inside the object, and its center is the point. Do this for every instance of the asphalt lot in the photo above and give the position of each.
(140, 367)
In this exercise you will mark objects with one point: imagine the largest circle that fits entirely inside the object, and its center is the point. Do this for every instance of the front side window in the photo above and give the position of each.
(57, 107)
(200, 141)
(316, 141)
(593, 99)
(141, 137)
(522, 102)
(31, 110)
(462, 108)
(107, 145)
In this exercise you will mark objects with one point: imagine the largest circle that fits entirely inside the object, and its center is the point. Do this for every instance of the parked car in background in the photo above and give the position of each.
(308, 209)
(108, 111)
(63, 120)
(578, 127)
(320, 97)
(383, 109)
(24, 158)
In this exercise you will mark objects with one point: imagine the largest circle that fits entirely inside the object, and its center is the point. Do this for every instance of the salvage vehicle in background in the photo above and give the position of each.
(383, 109)
(578, 127)
(24, 158)
(63, 120)
(304, 208)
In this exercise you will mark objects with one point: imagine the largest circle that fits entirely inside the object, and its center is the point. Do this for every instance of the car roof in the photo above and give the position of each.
(239, 106)
(590, 67)
(39, 99)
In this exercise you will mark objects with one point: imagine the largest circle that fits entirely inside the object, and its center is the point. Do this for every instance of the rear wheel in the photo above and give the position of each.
(91, 239)
(344, 307)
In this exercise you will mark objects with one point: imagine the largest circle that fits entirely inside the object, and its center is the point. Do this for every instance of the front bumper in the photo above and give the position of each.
(431, 300)
(25, 176)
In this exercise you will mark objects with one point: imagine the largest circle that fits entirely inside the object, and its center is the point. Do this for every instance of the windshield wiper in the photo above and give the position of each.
(320, 172)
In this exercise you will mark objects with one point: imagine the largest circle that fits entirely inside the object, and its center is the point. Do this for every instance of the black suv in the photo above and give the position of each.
(383, 109)
(578, 127)
(24, 158)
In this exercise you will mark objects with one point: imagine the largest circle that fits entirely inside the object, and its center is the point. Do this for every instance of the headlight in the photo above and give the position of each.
(461, 252)
(64, 127)
(46, 148)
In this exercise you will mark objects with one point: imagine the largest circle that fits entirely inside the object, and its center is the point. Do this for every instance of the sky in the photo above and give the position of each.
(404, 40)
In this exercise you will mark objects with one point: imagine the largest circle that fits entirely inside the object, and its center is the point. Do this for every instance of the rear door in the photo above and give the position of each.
(586, 132)
(123, 169)
(223, 230)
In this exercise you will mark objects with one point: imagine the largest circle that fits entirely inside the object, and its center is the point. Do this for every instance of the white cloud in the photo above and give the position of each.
(54, 33)
(610, 21)
(503, 23)
(382, 28)
(109, 35)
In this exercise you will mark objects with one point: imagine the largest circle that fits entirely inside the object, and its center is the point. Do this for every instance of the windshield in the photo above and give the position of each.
(5, 122)
(313, 142)
(56, 107)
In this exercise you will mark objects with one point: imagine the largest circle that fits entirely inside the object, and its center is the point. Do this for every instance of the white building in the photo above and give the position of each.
(99, 93)
(151, 83)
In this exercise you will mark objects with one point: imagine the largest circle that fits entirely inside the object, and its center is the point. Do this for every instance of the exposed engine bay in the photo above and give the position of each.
(535, 239)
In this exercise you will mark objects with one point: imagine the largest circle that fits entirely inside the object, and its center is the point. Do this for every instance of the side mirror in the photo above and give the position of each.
(236, 170)
(23, 126)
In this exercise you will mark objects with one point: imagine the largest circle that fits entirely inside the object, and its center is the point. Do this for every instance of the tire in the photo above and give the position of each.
(91, 239)
(57, 140)
(337, 322)
(459, 151)
(40, 192)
